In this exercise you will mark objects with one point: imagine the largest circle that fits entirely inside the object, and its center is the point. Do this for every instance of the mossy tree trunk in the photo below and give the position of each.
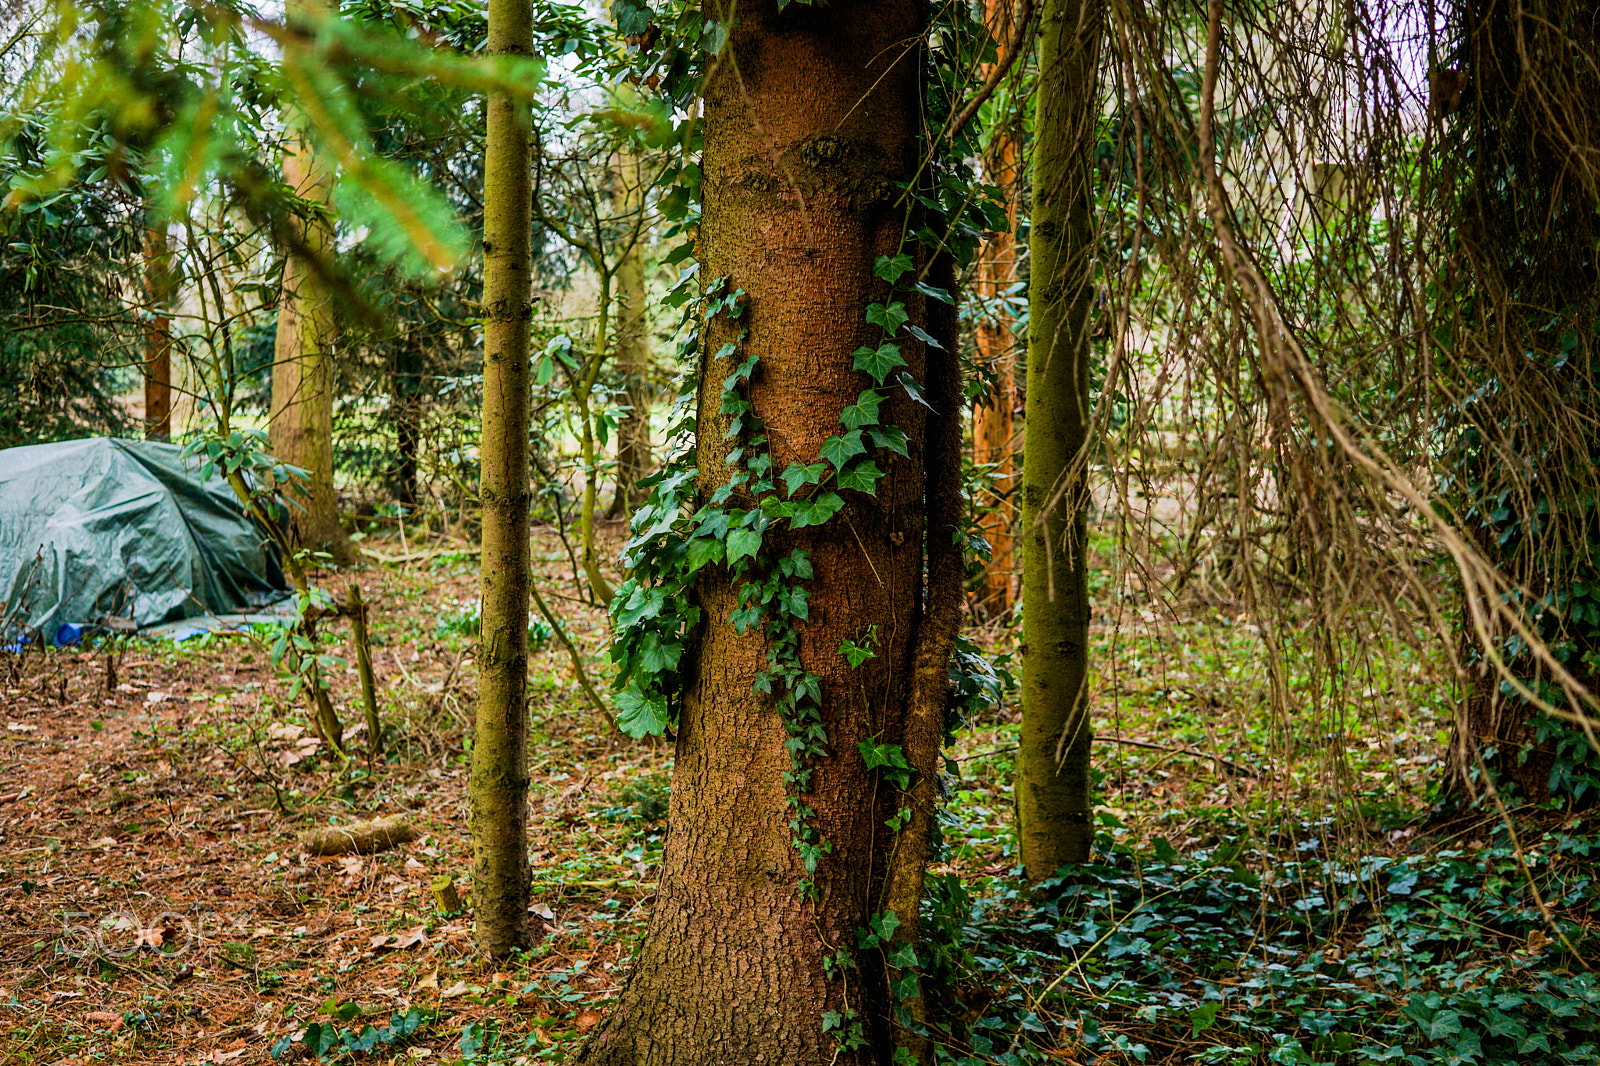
(1054, 823)
(301, 428)
(498, 790)
(810, 122)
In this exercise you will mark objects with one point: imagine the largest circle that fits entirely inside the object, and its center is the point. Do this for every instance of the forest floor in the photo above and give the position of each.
(156, 906)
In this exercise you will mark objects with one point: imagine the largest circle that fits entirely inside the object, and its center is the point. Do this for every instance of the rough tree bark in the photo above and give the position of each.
(810, 121)
(498, 791)
(993, 415)
(301, 428)
(1054, 824)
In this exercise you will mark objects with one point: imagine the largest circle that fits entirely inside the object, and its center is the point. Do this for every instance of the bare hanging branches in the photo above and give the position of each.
(1319, 387)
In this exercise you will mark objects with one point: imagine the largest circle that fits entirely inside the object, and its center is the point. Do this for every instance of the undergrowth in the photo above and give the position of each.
(1468, 952)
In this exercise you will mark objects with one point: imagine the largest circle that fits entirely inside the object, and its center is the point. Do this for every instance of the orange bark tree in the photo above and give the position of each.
(776, 614)
(994, 413)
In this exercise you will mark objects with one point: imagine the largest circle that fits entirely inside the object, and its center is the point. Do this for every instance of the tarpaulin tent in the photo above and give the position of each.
(102, 530)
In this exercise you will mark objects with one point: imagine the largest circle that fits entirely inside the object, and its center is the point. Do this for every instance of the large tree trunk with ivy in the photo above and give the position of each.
(994, 437)
(773, 868)
(1054, 824)
(301, 429)
(498, 791)
(1521, 175)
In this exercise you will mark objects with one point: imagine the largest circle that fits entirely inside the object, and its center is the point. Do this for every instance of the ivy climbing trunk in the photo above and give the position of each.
(1054, 824)
(498, 790)
(811, 122)
(301, 427)
(994, 413)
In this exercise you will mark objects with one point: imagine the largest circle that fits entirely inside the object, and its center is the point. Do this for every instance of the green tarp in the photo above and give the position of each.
(119, 529)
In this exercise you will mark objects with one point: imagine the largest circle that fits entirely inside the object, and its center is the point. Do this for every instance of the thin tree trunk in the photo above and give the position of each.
(632, 344)
(582, 394)
(301, 429)
(993, 415)
(405, 390)
(158, 335)
(935, 643)
(811, 121)
(1054, 824)
(498, 791)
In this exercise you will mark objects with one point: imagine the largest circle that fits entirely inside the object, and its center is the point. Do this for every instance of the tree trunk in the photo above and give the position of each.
(1054, 823)
(158, 334)
(405, 400)
(301, 429)
(993, 415)
(498, 791)
(811, 120)
(632, 343)
(1523, 183)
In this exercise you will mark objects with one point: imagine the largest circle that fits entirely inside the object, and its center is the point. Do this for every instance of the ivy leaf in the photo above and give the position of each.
(925, 337)
(638, 604)
(817, 511)
(745, 617)
(775, 508)
(862, 476)
(1204, 1016)
(1443, 1024)
(904, 956)
(864, 412)
(942, 295)
(800, 474)
(892, 438)
(713, 523)
(888, 756)
(656, 657)
(840, 450)
(796, 603)
(890, 316)
(879, 361)
(913, 390)
(639, 715)
(890, 267)
(855, 654)
(702, 551)
(742, 544)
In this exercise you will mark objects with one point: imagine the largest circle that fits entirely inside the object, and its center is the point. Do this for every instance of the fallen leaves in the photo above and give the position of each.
(416, 937)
